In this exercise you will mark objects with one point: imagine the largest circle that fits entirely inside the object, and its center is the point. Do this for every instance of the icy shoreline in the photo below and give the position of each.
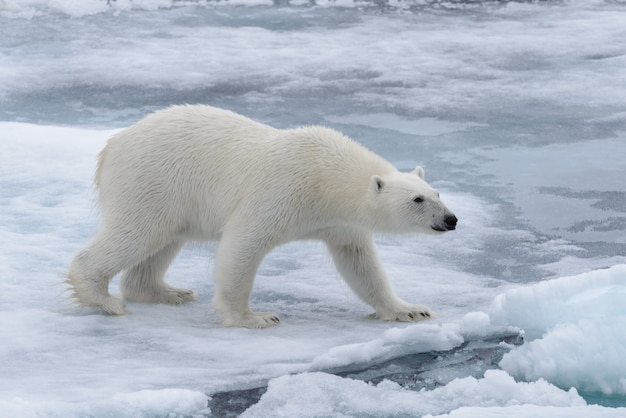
(168, 360)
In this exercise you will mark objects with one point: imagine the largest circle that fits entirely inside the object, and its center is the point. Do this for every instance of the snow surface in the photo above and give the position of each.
(161, 359)
(515, 109)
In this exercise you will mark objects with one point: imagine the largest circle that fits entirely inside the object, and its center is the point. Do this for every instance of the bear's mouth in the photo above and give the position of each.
(449, 224)
(438, 228)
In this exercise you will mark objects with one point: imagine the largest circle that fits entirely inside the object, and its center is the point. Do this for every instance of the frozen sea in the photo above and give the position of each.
(516, 110)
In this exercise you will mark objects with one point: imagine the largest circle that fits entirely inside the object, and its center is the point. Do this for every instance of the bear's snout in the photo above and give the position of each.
(450, 222)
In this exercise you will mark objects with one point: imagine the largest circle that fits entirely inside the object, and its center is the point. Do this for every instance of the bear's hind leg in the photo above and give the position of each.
(112, 250)
(145, 281)
(91, 271)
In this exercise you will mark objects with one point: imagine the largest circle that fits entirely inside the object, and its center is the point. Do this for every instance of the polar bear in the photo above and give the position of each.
(201, 173)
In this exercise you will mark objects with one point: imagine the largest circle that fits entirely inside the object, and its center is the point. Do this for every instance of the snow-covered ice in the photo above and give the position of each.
(515, 109)
(318, 395)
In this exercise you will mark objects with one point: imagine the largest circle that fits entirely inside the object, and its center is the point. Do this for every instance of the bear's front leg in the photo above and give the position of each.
(358, 263)
(236, 262)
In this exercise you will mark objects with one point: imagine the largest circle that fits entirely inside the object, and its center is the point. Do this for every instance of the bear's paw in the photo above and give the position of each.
(252, 320)
(113, 306)
(168, 295)
(404, 312)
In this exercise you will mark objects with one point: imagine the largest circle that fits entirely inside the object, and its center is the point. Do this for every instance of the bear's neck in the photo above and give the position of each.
(353, 190)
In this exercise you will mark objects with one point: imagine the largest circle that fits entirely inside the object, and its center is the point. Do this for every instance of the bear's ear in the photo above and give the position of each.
(377, 184)
(419, 171)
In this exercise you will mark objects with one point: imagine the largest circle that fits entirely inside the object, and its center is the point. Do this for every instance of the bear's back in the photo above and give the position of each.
(196, 139)
(197, 157)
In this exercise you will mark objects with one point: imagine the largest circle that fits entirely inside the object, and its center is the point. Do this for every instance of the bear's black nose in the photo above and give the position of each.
(450, 221)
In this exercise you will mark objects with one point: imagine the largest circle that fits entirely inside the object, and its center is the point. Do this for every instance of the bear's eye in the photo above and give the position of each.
(418, 199)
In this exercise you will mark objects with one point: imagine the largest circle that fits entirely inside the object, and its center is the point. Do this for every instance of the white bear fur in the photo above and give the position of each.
(203, 173)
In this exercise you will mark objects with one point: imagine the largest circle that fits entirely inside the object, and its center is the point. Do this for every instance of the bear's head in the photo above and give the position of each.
(405, 202)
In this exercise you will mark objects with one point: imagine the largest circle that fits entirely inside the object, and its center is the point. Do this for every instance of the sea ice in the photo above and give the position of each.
(574, 326)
